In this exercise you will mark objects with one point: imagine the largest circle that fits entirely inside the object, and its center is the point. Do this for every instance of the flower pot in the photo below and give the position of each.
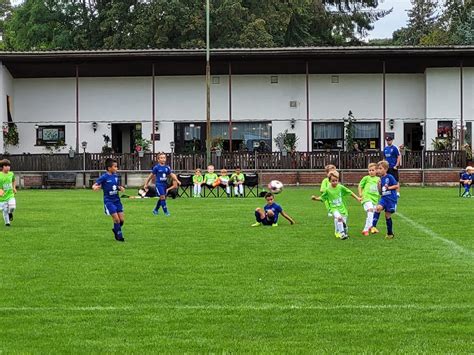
(141, 153)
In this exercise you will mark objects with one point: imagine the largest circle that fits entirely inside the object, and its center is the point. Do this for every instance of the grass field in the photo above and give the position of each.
(203, 280)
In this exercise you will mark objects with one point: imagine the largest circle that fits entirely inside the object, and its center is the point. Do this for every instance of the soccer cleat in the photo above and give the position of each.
(167, 214)
(374, 230)
(10, 215)
(275, 225)
(338, 235)
(257, 224)
(119, 239)
(344, 236)
(389, 236)
(7, 225)
(155, 212)
(365, 233)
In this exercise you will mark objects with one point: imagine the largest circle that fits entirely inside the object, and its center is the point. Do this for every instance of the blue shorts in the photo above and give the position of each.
(112, 207)
(388, 205)
(161, 189)
(265, 221)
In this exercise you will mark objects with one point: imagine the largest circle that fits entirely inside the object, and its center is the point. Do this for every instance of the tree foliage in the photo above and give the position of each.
(107, 24)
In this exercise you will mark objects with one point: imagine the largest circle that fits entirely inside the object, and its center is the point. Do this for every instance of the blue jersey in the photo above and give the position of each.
(466, 176)
(276, 208)
(161, 172)
(110, 185)
(385, 182)
(391, 154)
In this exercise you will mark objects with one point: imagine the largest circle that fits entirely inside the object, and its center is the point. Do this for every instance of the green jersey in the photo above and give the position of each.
(198, 178)
(237, 177)
(324, 184)
(210, 178)
(6, 184)
(370, 189)
(335, 196)
(224, 179)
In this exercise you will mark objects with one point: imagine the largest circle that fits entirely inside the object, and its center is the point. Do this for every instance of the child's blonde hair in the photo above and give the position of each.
(372, 165)
(197, 170)
(333, 173)
(384, 164)
(469, 168)
(329, 167)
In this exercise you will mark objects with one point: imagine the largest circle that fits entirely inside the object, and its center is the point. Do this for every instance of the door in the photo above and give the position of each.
(123, 137)
(413, 133)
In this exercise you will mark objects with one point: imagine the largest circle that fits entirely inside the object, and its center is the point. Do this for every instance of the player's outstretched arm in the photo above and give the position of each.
(287, 217)
(356, 197)
(316, 198)
(147, 180)
(96, 187)
(14, 186)
(175, 178)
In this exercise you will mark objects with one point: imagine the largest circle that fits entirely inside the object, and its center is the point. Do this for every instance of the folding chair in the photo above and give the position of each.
(250, 185)
(186, 187)
(211, 191)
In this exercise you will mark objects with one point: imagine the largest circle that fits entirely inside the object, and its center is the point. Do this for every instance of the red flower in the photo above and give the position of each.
(138, 148)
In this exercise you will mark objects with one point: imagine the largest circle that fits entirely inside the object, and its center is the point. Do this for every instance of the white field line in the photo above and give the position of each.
(249, 307)
(435, 235)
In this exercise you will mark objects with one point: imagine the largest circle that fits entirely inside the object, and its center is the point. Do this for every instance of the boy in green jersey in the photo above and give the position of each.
(7, 191)
(198, 180)
(224, 181)
(369, 191)
(335, 195)
(325, 184)
(238, 180)
(210, 178)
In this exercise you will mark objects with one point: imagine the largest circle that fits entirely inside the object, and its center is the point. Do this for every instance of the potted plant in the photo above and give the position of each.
(217, 145)
(286, 142)
(106, 148)
(10, 134)
(71, 152)
(56, 147)
(141, 146)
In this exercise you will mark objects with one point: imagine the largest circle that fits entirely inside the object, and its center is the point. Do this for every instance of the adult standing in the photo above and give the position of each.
(392, 156)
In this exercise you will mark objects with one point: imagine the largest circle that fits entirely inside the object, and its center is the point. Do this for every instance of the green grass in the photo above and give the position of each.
(203, 280)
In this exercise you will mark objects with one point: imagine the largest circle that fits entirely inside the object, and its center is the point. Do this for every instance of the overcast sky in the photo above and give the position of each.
(383, 28)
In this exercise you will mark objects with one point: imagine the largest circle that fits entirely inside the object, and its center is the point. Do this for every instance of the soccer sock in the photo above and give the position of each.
(375, 219)
(121, 223)
(6, 218)
(368, 220)
(236, 191)
(389, 226)
(163, 205)
(339, 225)
(117, 229)
(467, 189)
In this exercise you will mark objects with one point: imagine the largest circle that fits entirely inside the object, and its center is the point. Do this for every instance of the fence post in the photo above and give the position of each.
(423, 167)
(256, 162)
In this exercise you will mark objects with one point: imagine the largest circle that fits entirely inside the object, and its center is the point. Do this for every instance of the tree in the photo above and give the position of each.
(422, 20)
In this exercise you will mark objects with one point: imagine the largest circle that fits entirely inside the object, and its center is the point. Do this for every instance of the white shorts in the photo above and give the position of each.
(369, 205)
(11, 203)
(337, 215)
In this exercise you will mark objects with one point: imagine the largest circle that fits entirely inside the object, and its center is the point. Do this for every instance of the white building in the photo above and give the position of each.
(75, 96)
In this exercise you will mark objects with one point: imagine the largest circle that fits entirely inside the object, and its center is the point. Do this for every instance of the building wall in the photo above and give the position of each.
(6, 89)
(254, 97)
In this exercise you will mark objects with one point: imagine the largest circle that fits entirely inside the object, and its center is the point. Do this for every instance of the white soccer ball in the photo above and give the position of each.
(275, 186)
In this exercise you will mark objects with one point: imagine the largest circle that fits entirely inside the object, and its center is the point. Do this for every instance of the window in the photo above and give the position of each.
(445, 129)
(246, 136)
(328, 135)
(367, 135)
(50, 135)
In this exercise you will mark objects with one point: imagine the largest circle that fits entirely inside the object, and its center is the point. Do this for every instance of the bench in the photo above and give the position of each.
(60, 180)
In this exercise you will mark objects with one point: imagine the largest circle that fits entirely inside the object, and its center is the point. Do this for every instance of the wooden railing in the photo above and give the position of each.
(244, 160)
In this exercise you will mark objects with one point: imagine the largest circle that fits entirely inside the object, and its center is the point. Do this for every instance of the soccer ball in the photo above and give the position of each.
(275, 186)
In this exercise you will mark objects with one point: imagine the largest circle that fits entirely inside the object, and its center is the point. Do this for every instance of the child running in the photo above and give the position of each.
(198, 180)
(110, 184)
(268, 216)
(466, 181)
(325, 184)
(7, 191)
(369, 192)
(161, 171)
(335, 195)
(388, 202)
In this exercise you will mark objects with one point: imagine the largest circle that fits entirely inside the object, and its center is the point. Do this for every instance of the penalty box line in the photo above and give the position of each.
(434, 235)
(267, 307)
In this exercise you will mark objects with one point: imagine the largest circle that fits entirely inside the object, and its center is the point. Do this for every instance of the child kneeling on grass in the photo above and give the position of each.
(335, 196)
(268, 216)
(466, 180)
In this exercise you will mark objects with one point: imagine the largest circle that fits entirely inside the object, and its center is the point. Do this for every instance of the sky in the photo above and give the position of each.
(397, 18)
(383, 28)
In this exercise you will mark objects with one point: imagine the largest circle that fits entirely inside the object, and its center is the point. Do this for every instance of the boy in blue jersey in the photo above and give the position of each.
(268, 216)
(110, 184)
(388, 202)
(161, 171)
(393, 158)
(466, 180)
